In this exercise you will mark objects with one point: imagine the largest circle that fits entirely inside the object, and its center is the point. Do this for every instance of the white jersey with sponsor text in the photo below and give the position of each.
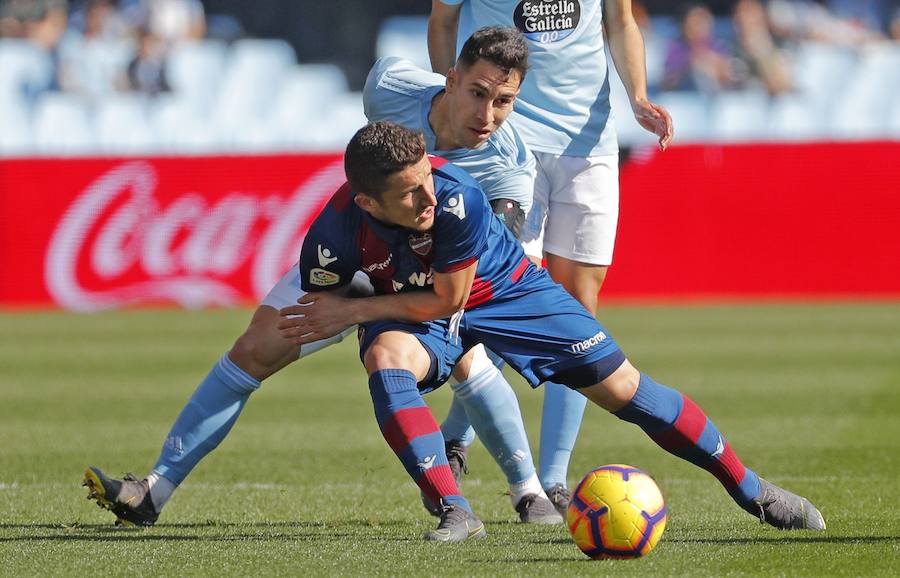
(563, 107)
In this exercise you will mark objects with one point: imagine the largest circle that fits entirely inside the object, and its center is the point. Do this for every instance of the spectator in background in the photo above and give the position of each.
(147, 71)
(174, 20)
(757, 57)
(160, 24)
(95, 51)
(41, 22)
(808, 21)
(894, 26)
(871, 15)
(654, 44)
(697, 61)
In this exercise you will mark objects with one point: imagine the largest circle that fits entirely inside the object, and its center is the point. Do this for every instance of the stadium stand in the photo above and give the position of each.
(257, 95)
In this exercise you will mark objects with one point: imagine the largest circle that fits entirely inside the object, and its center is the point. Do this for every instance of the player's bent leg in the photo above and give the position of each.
(458, 436)
(209, 414)
(261, 351)
(679, 426)
(396, 362)
(563, 408)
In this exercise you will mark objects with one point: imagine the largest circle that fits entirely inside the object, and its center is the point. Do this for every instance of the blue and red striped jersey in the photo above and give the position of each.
(345, 239)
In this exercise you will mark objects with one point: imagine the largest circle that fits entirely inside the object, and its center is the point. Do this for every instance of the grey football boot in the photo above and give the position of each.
(560, 496)
(457, 524)
(534, 509)
(780, 508)
(129, 498)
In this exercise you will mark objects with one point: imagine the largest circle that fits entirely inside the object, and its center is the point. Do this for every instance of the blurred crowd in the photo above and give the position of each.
(103, 46)
(693, 50)
(754, 45)
(73, 73)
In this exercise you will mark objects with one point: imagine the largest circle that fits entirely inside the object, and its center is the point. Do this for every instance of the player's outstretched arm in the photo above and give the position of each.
(324, 314)
(626, 46)
(443, 26)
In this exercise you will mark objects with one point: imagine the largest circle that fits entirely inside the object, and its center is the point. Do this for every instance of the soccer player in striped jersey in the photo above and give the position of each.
(447, 276)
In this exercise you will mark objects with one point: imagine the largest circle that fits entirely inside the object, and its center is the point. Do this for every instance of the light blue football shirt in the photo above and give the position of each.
(398, 91)
(563, 107)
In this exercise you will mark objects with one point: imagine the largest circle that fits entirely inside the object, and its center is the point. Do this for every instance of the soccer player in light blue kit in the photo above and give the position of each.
(464, 122)
(564, 116)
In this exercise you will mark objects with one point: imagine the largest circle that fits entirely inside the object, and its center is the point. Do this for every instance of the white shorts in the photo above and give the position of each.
(287, 291)
(575, 209)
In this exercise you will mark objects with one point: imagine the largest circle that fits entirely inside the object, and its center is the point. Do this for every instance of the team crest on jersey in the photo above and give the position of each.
(420, 243)
(323, 278)
(547, 21)
(456, 206)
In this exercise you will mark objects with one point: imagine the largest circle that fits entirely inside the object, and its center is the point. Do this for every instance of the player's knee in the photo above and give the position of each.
(615, 391)
(246, 353)
(382, 355)
(622, 384)
(258, 356)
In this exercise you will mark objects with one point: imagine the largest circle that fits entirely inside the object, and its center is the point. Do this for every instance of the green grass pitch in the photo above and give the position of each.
(808, 395)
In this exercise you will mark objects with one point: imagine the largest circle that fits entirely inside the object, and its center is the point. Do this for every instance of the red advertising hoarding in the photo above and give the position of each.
(727, 221)
(90, 234)
(764, 220)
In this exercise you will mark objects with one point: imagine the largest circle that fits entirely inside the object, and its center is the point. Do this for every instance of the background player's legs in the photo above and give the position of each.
(582, 281)
(456, 426)
(578, 239)
(561, 417)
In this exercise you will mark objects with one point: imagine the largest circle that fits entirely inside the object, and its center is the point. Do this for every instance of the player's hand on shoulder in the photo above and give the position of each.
(655, 119)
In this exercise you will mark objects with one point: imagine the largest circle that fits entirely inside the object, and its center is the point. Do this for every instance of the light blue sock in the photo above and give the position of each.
(205, 420)
(457, 426)
(491, 405)
(560, 422)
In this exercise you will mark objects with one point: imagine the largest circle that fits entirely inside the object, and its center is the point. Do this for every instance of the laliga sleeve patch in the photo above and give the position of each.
(323, 278)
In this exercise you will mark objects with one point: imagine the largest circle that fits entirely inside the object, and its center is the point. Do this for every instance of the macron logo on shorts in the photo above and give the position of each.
(583, 346)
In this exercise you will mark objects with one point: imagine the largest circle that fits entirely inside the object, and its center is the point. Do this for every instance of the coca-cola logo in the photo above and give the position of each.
(119, 244)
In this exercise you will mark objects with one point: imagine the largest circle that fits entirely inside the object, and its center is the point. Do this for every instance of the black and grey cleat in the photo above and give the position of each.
(780, 508)
(457, 524)
(458, 458)
(560, 497)
(534, 509)
(129, 498)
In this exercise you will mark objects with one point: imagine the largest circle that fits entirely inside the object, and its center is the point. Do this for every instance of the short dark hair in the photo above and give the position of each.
(502, 46)
(379, 150)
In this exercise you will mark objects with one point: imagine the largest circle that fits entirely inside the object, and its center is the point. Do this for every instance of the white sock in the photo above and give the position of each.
(160, 490)
(530, 486)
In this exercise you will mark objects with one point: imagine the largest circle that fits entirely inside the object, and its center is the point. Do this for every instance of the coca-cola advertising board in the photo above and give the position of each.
(90, 234)
(735, 221)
